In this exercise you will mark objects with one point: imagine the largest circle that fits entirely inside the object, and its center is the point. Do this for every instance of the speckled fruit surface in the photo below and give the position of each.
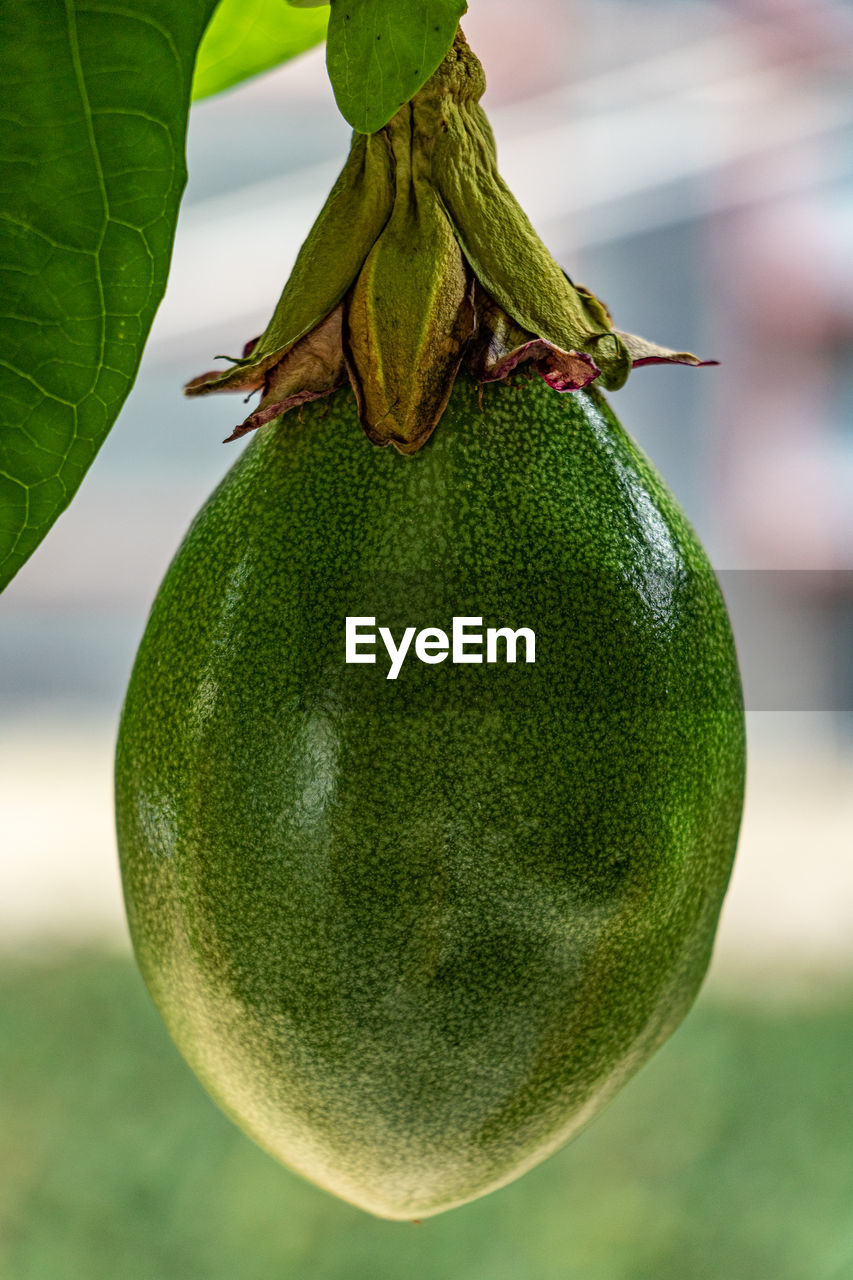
(413, 934)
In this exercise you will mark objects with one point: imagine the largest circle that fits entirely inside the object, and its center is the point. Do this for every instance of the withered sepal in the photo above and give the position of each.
(420, 260)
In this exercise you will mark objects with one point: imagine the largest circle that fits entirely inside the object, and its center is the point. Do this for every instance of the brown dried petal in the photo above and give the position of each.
(243, 378)
(313, 368)
(500, 346)
(642, 352)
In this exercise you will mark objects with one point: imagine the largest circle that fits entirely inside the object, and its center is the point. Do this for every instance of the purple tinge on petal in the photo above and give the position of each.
(643, 352)
(500, 345)
(562, 370)
(261, 416)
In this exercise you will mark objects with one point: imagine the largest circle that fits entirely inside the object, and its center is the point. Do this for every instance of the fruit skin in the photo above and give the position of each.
(411, 935)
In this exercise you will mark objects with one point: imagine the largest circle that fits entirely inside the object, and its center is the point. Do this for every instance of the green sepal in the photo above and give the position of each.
(411, 311)
(505, 253)
(358, 207)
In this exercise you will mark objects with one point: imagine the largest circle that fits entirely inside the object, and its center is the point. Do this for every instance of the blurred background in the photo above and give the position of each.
(693, 164)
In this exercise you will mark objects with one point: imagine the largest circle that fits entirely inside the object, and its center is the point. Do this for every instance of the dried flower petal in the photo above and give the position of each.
(500, 346)
(644, 352)
(313, 368)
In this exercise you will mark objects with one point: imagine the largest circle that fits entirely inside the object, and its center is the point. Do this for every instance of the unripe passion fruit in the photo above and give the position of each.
(413, 933)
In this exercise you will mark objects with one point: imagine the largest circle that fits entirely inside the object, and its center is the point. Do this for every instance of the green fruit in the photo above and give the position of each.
(412, 934)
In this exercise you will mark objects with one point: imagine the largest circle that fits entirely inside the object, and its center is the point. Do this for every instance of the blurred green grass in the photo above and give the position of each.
(730, 1157)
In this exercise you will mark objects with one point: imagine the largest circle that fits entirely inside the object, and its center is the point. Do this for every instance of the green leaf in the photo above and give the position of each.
(92, 168)
(380, 52)
(246, 37)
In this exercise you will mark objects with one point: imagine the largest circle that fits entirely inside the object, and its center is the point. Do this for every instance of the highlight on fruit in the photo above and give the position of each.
(422, 261)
